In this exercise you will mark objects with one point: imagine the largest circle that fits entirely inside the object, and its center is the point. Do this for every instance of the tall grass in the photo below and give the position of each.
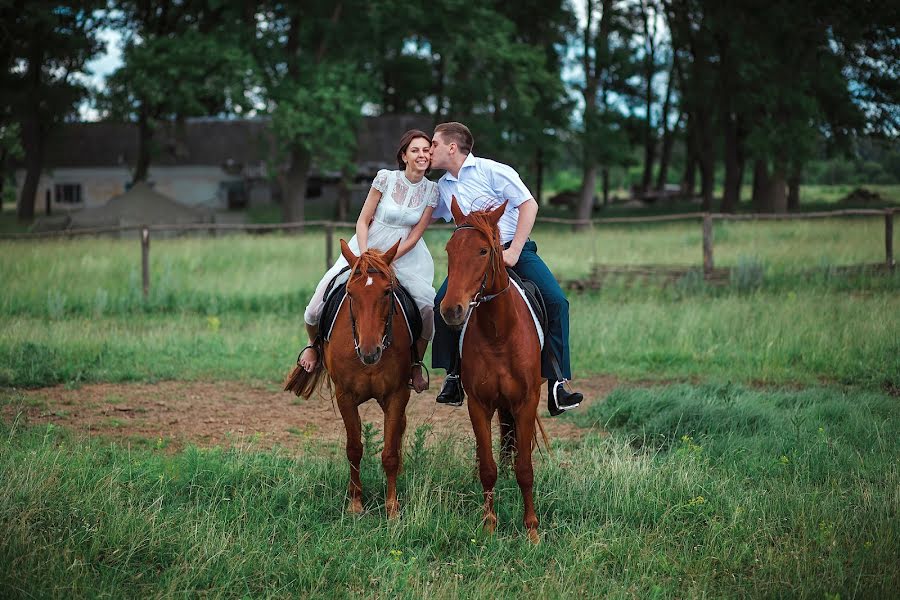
(804, 336)
(700, 491)
(278, 272)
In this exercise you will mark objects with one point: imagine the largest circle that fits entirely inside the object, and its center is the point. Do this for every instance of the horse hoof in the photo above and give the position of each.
(489, 525)
(393, 510)
(533, 537)
(355, 506)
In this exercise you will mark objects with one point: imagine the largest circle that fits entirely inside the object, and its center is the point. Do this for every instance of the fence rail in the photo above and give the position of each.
(706, 219)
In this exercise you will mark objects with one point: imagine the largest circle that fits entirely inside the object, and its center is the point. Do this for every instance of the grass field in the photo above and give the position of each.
(752, 449)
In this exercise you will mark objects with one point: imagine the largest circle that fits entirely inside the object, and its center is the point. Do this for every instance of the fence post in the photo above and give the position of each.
(707, 245)
(889, 238)
(145, 260)
(329, 244)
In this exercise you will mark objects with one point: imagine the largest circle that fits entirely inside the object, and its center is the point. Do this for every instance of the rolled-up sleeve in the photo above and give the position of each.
(507, 184)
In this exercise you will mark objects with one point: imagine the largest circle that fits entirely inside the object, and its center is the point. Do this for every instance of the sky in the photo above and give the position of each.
(100, 68)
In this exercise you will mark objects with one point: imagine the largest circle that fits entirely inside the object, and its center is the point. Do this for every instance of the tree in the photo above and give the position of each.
(181, 59)
(308, 60)
(46, 47)
(607, 64)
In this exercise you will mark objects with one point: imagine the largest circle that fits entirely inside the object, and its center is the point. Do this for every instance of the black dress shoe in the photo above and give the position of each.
(452, 391)
(559, 400)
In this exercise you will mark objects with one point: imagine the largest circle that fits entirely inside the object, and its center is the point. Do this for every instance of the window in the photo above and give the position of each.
(68, 193)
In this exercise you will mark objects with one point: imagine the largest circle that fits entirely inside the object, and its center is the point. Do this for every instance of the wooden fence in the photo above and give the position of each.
(705, 218)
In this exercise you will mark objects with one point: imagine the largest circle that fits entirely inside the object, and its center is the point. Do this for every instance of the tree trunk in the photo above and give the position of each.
(731, 194)
(586, 204)
(689, 179)
(539, 175)
(294, 197)
(145, 140)
(33, 146)
(604, 175)
(793, 198)
(778, 187)
(759, 198)
(665, 154)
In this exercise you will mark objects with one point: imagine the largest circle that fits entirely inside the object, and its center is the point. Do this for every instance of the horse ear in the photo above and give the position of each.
(494, 216)
(391, 252)
(348, 253)
(458, 216)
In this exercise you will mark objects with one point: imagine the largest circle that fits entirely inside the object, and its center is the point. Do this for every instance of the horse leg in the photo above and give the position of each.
(350, 414)
(525, 423)
(487, 468)
(394, 426)
(507, 437)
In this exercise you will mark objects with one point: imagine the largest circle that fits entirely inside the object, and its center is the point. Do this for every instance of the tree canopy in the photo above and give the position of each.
(680, 87)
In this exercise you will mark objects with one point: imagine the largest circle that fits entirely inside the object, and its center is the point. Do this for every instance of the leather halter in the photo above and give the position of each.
(480, 296)
(388, 336)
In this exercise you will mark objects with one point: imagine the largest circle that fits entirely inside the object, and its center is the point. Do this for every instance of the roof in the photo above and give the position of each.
(210, 142)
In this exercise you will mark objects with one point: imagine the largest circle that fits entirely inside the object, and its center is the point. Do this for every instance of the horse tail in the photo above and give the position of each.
(546, 438)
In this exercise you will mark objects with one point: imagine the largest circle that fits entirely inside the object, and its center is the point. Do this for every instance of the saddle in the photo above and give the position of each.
(534, 298)
(334, 298)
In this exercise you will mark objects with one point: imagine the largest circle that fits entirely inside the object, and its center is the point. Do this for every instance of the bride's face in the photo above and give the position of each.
(418, 155)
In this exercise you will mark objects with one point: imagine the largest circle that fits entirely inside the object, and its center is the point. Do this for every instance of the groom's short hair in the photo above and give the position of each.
(457, 133)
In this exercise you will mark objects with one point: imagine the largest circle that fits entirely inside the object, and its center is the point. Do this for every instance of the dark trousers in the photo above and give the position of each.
(445, 346)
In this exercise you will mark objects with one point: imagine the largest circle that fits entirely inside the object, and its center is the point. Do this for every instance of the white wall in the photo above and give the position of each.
(193, 186)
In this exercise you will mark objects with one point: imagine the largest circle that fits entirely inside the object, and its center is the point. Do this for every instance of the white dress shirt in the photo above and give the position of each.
(483, 184)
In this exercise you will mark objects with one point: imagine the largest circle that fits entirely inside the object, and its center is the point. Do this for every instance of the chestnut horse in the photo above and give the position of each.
(368, 356)
(501, 359)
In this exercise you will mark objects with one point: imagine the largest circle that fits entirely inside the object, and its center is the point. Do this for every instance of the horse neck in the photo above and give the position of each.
(499, 314)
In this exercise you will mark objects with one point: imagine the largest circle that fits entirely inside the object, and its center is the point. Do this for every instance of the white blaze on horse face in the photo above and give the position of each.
(368, 282)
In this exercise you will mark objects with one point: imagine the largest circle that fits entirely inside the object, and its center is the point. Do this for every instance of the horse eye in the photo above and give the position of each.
(483, 252)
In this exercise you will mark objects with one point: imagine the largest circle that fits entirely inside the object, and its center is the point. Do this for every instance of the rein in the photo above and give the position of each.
(480, 296)
(388, 336)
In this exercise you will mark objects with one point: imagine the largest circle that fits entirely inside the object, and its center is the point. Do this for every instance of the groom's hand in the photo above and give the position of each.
(511, 256)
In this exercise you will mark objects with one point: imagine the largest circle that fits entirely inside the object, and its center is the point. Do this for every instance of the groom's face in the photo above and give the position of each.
(440, 152)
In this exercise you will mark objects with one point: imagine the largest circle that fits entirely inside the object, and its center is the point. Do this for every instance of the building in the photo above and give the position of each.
(207, 163)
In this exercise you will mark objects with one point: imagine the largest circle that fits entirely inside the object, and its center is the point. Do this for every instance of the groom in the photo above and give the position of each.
(473, 181)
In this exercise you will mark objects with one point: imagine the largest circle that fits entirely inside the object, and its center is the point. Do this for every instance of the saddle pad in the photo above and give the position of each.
(514, 282)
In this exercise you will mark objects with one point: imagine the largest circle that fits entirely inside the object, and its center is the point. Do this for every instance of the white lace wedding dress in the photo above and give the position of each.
(400, 208)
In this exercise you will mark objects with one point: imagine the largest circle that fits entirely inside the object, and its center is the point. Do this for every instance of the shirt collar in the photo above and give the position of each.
(469, 162)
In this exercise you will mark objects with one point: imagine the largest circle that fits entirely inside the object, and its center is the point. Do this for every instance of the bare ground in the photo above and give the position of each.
(173, 414)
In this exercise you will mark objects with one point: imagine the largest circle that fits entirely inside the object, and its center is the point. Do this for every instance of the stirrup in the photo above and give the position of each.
(304, 349)
(419, 363)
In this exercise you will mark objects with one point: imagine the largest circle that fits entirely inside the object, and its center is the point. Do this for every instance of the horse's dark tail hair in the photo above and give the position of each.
(544, 436)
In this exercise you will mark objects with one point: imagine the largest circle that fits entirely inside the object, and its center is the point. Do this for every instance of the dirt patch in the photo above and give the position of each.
(172, 414)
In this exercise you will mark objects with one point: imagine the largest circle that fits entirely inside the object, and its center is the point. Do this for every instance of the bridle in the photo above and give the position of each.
(388, 336)
(479, 298)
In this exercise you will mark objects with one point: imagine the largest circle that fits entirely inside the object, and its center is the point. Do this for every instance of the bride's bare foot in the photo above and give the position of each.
(309, 358)
(419, 383)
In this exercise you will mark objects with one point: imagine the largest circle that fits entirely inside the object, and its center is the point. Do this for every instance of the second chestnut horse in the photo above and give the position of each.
(501, 356)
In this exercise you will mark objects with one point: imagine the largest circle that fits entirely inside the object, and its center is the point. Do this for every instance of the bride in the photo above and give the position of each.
(399, 206)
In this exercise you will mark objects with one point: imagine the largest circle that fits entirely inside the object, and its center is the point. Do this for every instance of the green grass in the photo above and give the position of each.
(700, 491)
(277, 273)
(726, 487)
(804, 336)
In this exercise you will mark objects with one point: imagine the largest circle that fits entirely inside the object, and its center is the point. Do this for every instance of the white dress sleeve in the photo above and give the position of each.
(434, 195)
(382, 180)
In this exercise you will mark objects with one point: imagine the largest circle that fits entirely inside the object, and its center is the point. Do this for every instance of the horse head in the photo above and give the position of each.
(474, 262)
(370, 290)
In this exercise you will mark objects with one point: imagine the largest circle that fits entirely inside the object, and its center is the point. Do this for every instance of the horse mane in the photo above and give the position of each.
(372, 260)
(479, 220)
